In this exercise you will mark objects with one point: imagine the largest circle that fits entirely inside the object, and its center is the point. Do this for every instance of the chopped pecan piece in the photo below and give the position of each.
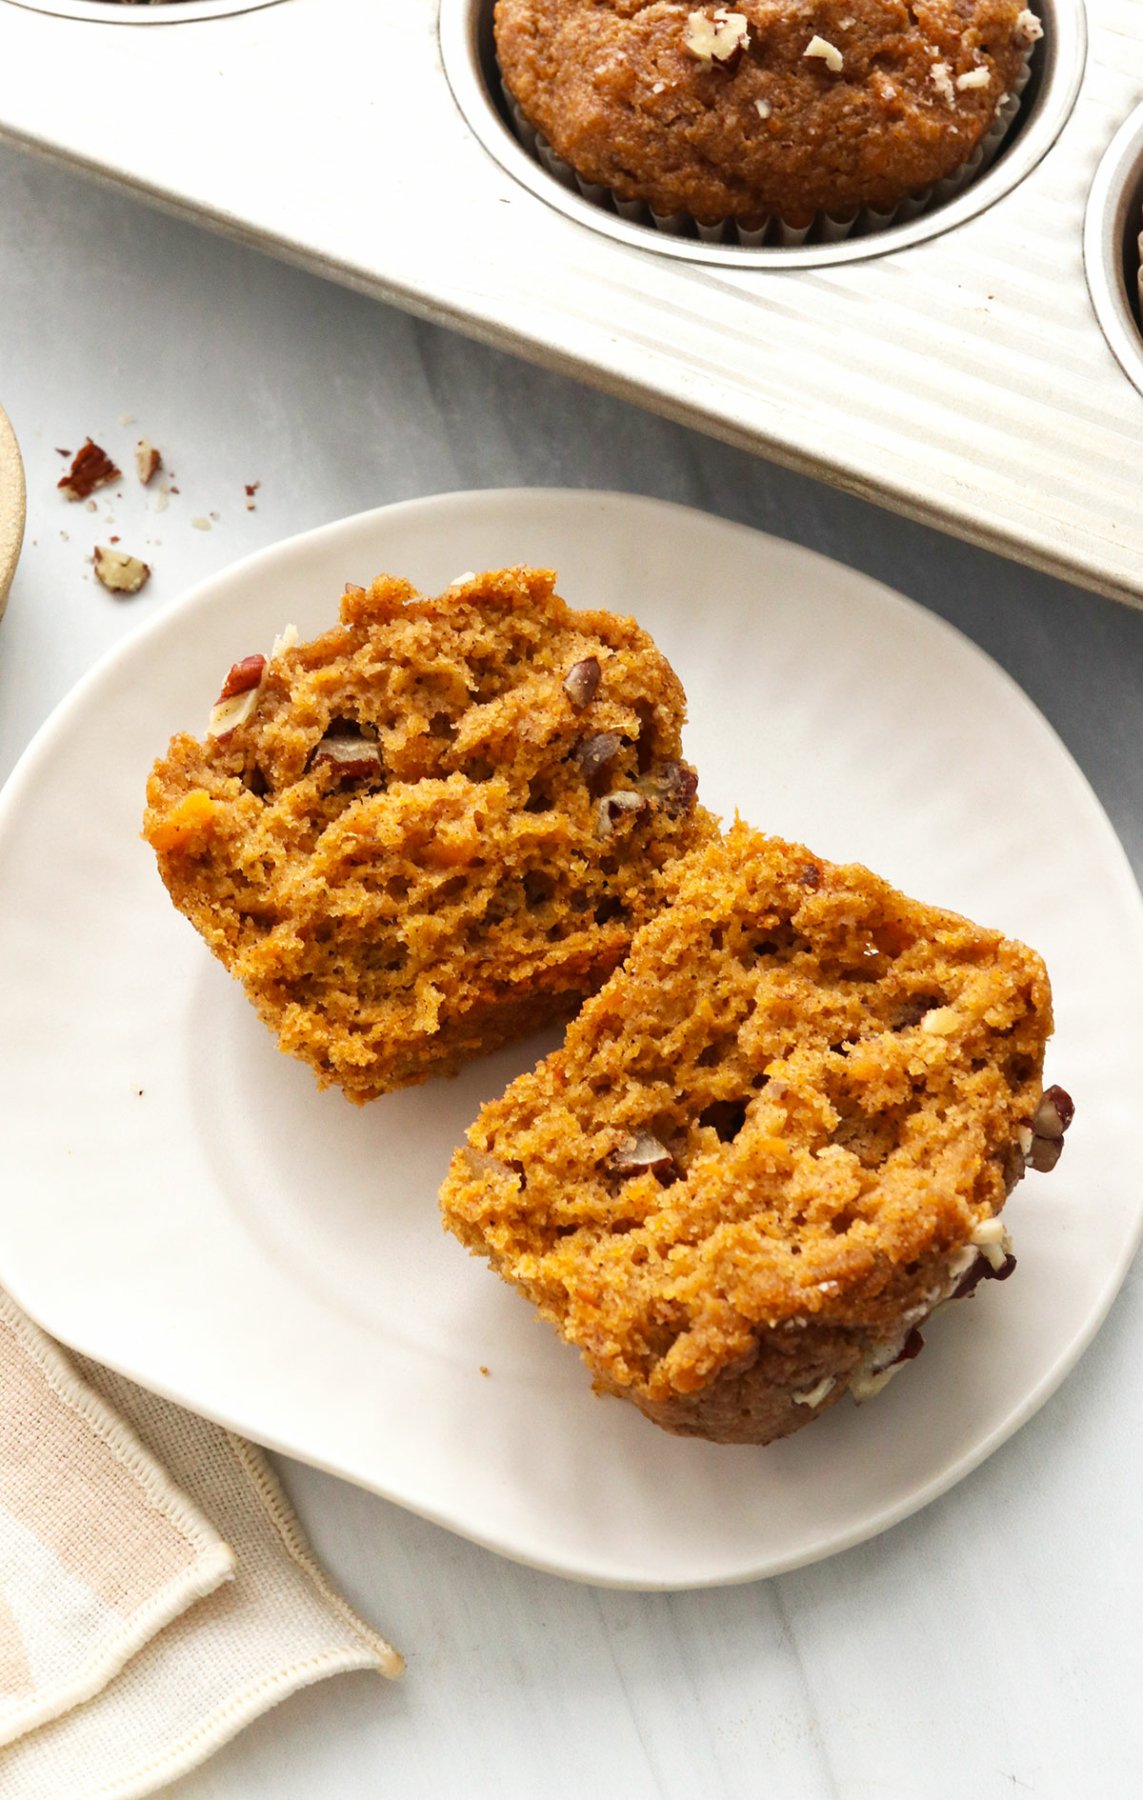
(581, 683)
(594, 754)
(91, 468)
(227, 715)
(349, 758)
(828, 53)
(717, 38)
(614, 806)
(674, 786)
(912, 1347)
(991, 1238)
(983, 1270)
(1053, 1116)
(239, 697)
(118, 572)
(1045, 1154)
(482, 1164)
(243, 676)
(148, 462)
(1054, 1113)
(639, 1153)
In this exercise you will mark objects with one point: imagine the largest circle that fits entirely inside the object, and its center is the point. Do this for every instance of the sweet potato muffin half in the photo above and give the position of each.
(432, 829)
(776, 1140)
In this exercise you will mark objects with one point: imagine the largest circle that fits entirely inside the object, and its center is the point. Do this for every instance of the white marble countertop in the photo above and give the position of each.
(988, 1647)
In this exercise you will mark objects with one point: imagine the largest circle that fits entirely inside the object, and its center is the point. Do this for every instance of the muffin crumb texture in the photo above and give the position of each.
(433, 829)
(763, 109)
(772, 1145)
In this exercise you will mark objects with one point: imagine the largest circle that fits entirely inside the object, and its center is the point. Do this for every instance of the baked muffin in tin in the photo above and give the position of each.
(764, 109)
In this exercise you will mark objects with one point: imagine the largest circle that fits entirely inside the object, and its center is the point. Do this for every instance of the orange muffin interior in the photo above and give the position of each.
(773, 1142)
(432, 829)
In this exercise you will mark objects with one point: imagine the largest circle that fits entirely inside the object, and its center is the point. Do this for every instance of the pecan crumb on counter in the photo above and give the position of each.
(118, 572)
(148, 461)
(91, 468)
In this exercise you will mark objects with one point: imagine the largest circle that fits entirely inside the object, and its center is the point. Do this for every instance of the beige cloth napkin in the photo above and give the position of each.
(156, 1592)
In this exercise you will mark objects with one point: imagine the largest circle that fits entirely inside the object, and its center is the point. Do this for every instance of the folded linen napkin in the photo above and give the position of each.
(156, 1592)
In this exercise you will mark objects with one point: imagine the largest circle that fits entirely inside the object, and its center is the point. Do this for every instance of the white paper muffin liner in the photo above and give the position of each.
(774, 231)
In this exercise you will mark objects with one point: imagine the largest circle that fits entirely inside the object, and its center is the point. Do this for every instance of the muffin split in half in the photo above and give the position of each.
(771, 1145)
(433, 829)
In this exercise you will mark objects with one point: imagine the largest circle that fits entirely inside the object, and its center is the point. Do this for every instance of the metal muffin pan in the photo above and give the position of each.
(1112, 245)
(1055, 73)
(142, 12)
(952, 368)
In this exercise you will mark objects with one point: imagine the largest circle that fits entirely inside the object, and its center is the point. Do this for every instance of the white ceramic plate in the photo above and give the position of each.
(179, 1201)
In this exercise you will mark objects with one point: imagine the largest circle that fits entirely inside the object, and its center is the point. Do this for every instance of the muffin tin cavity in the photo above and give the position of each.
(1112, 245)
(1055, 70)
(142, 12)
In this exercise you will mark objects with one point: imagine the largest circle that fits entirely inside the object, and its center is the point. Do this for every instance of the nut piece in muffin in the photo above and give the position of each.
(776, 1140)
(765, 108)
(433, 829)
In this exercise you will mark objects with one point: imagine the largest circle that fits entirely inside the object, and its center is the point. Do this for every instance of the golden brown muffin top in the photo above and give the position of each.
(767, 107)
